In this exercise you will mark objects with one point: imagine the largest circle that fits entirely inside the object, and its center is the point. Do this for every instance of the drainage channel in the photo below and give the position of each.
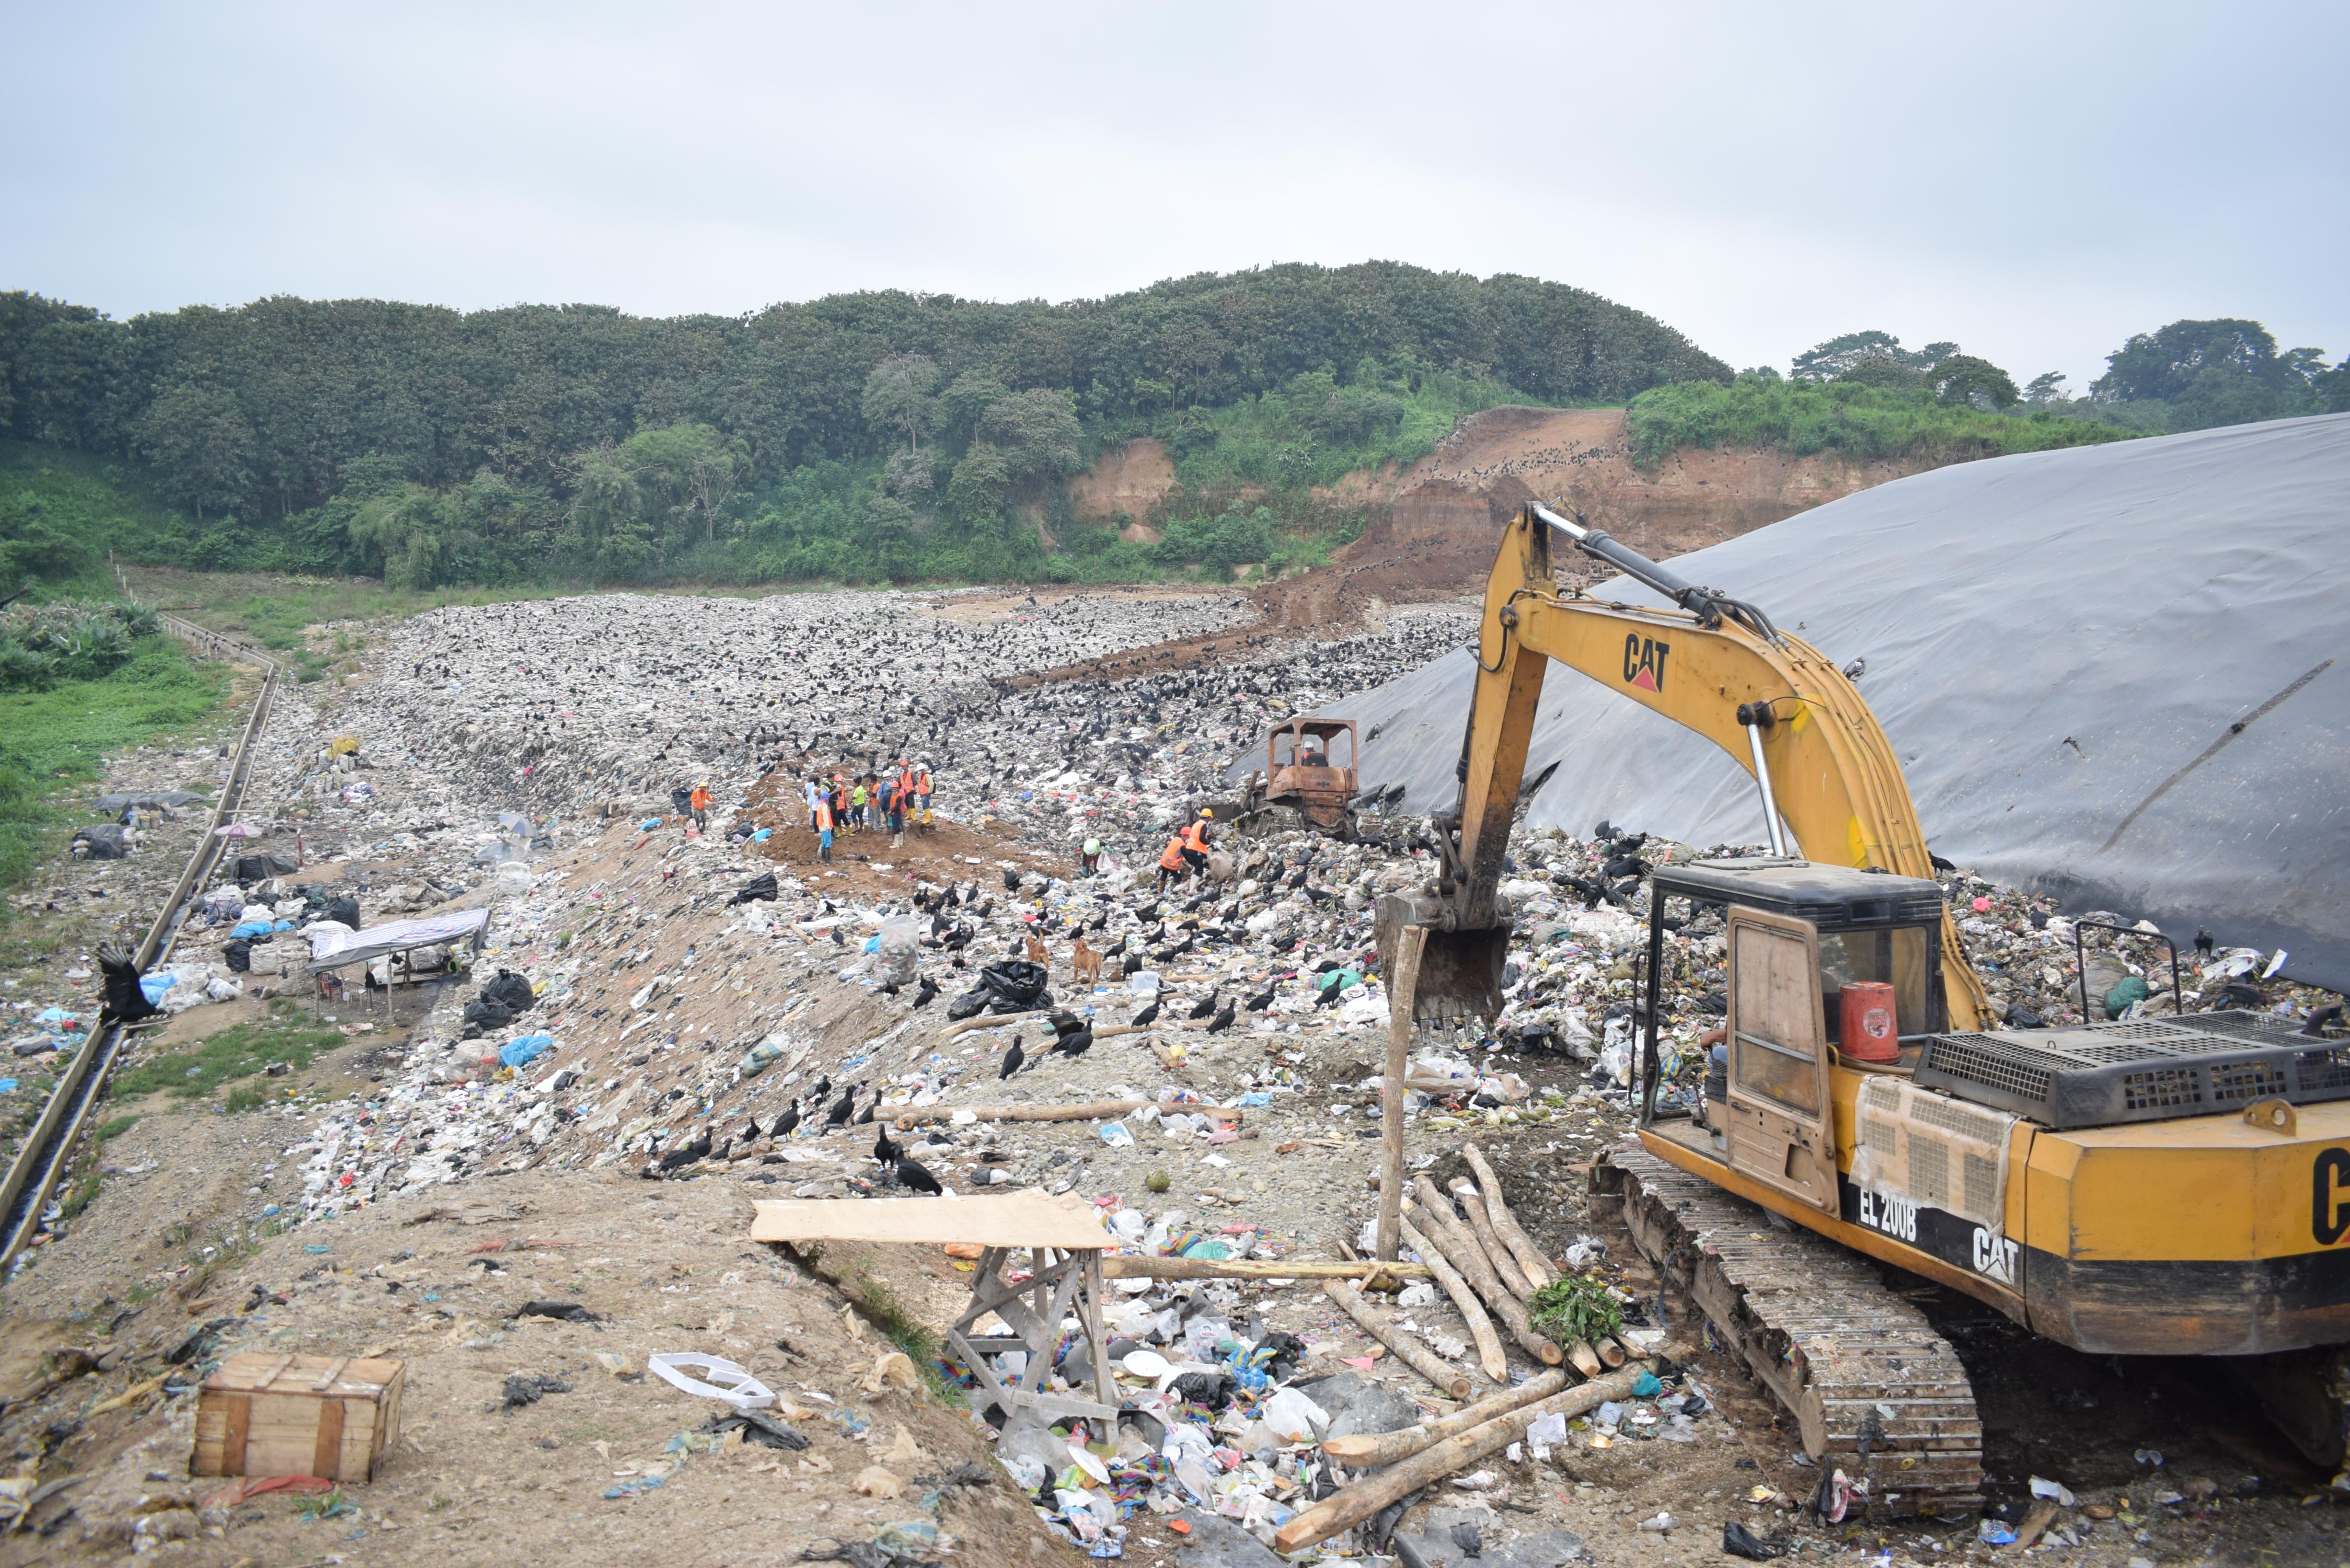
(47, 1151)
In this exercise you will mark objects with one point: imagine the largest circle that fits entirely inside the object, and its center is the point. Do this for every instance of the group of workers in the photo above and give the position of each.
(1186, 854)
(870, 802)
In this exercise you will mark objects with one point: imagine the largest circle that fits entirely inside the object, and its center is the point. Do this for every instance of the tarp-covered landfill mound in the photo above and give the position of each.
(2118, 674)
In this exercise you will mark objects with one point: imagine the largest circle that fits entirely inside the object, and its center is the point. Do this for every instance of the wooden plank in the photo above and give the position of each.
(1026, 1218)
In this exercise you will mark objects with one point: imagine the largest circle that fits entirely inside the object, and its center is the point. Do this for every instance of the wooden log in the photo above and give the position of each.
(1143, 1268)
(1402, 997)
(1446, 1227)
(905, 1116)
(1462, 1251)
(1407, 1350)
(1587, 1360)
(1374, 1492)
(1480, 1328)
(1514, 1235)
(1504, 1265)
(1611, 1352)
(1489, 1343)
(1386, 1448)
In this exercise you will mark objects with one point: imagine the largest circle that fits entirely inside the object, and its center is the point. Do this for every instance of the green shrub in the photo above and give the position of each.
(1859, 420)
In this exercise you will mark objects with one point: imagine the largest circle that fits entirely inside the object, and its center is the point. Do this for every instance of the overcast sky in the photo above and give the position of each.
(2034, 181)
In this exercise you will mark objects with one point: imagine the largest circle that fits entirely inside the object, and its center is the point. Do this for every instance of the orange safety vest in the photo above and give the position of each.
(824, 816)
(1195, 838)
(1172, 857)
(700, 797)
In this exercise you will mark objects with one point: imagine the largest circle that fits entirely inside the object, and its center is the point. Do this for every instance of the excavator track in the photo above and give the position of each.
(1875, 1391)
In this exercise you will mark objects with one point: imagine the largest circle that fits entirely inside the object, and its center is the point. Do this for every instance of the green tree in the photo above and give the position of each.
(688, 473)
(1962, 380)
(200, 438)
(1038, 434)
(899, 394)
(977, 488)
(2048, 386)
(967, 400)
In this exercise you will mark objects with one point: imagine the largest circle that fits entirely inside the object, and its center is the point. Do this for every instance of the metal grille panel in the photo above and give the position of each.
(2146, 1070)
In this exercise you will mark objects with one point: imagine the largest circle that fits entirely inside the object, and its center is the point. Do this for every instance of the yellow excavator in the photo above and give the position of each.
(2169, 1186)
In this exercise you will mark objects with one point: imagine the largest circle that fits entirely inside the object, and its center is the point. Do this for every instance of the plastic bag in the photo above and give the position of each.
(733, 1384)
(1293, 1417)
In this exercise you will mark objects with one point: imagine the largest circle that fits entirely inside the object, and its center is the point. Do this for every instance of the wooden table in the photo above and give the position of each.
(1064, 1239)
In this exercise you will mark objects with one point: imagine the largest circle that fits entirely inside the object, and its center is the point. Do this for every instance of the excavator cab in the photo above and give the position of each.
(1797, 935)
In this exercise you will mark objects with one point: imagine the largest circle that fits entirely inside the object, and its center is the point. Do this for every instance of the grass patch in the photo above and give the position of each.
(110, 1130)
(285, 1035)
(53, 740)
(1862, 421)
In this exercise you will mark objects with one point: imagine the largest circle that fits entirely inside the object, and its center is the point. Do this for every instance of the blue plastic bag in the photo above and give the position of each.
(528, 1048)
(153, 986)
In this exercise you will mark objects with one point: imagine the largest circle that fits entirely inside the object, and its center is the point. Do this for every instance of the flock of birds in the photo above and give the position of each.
(1162, 932)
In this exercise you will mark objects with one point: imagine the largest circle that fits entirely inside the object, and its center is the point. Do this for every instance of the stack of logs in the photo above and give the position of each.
(1489, 1263)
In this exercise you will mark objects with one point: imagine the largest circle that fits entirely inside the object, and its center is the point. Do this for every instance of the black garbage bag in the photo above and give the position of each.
(1015, 985)
(100, 842)
(125, 1002)
(1288, 1350)
(1740, 1542)
(762, 886)
(239, 956)
(1213, 1389)
(345, 909)
(251, 869)
(481, 1017)
(510, 991)
(968, 1004)
(683, 799)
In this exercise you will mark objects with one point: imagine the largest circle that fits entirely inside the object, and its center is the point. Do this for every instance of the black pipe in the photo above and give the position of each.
(1649, 1062)
(1709, 605)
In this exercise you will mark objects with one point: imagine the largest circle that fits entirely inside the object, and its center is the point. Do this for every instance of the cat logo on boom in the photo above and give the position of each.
(1643, 662)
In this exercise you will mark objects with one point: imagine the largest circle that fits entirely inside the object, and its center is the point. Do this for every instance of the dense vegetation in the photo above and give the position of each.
(1854, 417)
(859, 437)
(1866, 395)
(56, 736)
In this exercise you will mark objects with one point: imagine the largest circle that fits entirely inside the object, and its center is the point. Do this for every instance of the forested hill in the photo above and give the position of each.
(857, 416)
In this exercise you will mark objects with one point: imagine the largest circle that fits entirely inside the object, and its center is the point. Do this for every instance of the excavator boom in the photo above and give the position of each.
(1778, 706)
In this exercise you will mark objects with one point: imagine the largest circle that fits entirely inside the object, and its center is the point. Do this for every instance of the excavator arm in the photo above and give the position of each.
(1780, 707)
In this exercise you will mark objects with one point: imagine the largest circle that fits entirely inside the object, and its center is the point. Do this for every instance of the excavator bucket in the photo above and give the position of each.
(1459, 975)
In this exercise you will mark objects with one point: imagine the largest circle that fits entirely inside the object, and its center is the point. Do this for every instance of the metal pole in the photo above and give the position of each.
(1770, 804)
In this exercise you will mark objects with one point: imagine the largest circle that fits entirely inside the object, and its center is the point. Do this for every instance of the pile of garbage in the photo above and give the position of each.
(1223, 1415)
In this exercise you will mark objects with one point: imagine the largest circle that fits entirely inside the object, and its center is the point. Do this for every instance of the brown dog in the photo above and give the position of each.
(1084, 964)
(1037, 955)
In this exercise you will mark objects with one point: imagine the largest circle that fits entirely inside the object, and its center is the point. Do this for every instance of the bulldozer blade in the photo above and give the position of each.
(1459, 974)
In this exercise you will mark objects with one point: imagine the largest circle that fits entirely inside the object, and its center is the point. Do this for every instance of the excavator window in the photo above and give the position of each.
(1900, 956)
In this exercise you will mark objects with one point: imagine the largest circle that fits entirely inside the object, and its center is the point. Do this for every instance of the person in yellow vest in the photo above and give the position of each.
(857, 806)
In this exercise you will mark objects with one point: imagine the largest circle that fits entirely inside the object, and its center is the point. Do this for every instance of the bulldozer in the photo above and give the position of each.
(2172, 1185)
(1302, 784)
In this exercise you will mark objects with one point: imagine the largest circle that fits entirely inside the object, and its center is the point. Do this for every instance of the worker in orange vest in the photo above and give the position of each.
(700, 801)
(1194, 838)
(824, 829)
(1171, 863)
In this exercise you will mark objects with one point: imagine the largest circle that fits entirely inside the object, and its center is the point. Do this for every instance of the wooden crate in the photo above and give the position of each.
(267, 1414)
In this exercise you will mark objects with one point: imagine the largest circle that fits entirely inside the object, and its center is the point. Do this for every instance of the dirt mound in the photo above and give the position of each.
(1436, 522)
